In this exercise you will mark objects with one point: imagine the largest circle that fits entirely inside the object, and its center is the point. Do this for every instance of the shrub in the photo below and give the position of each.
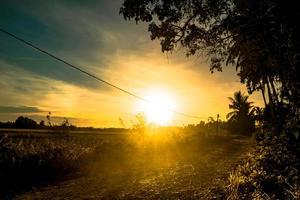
(271, 171)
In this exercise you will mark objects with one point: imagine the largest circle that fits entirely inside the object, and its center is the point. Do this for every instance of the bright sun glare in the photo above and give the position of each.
(157, 109)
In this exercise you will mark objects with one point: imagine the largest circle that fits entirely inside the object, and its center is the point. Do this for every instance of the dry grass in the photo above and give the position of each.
(26, 161)
(168, 166)
(271, 171)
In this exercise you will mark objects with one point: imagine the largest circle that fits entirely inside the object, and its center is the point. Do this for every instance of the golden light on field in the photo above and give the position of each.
(158, 107)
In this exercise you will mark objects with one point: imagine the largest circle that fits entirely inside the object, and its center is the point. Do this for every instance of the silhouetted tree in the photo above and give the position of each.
(260, 38)
(241, 119)
(42, 124)
(7, 124)
(24, 122)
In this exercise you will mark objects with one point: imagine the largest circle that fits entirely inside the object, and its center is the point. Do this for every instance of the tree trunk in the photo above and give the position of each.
(275, 96)
(271, 101)
(262, 88)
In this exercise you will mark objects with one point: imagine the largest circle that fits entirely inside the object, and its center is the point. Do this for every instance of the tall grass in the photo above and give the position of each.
(271, 171)
(26, 161)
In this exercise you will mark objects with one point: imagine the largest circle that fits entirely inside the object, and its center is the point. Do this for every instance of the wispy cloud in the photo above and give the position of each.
(88, 36)
(94, 37)
(19, 109)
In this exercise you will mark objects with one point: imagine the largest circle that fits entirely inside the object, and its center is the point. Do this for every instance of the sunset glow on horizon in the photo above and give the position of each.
(115, 50)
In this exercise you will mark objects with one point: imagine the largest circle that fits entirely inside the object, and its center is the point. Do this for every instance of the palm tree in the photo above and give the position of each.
(240, 106)
(241, 118)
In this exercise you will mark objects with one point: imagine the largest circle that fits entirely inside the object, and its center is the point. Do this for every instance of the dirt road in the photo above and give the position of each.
(185, 173)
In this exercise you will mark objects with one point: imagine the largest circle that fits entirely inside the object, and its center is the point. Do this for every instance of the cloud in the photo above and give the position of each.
(94, 37)
(19, 87)
(88, 36)
(19, 109)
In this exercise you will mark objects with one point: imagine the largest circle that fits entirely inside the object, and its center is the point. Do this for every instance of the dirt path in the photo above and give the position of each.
(187, 175)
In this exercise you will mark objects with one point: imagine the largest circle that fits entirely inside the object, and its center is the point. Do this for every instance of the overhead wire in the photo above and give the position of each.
(87, 73)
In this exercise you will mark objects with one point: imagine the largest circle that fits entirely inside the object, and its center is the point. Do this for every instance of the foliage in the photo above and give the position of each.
(241, 119)
(42, 123)
(7, 124)
(25, 122)
(28, 123)
(271, 171)
(259, 37)
(209, 128)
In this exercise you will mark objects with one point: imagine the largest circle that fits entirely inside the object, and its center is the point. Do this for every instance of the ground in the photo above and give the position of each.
(189, 172)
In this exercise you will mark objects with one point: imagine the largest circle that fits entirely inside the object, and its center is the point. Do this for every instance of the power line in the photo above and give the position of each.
(87, 73)
(67, 63)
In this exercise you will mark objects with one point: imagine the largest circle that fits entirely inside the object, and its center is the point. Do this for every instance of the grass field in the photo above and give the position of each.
(38, 165)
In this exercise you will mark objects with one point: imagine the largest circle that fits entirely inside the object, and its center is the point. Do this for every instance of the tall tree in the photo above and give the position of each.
(260, 38)
(241, 119)
(240, 106)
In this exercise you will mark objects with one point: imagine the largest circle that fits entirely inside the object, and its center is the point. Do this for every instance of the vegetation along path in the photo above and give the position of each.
(189, 170)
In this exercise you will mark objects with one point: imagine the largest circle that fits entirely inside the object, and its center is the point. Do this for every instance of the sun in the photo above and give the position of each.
(158, 108)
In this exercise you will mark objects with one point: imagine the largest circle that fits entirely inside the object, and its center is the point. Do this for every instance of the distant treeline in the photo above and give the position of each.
(27, 123)
(212, 127)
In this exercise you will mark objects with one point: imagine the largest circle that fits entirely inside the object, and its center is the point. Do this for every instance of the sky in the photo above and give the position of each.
(93, 36)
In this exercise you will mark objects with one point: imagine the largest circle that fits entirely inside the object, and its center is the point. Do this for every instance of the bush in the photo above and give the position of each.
(271, 171)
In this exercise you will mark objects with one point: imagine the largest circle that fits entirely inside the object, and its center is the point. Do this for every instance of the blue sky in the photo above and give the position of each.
(68, 29)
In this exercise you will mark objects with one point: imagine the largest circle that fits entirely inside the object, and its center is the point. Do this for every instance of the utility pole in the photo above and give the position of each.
(218, 124)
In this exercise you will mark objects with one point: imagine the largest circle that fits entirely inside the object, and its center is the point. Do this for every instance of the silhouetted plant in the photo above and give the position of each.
(49, 119)
(241, 119)
(42, 124)
(259, 38)
(271, 171)
(25, 122)
(141, 121)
